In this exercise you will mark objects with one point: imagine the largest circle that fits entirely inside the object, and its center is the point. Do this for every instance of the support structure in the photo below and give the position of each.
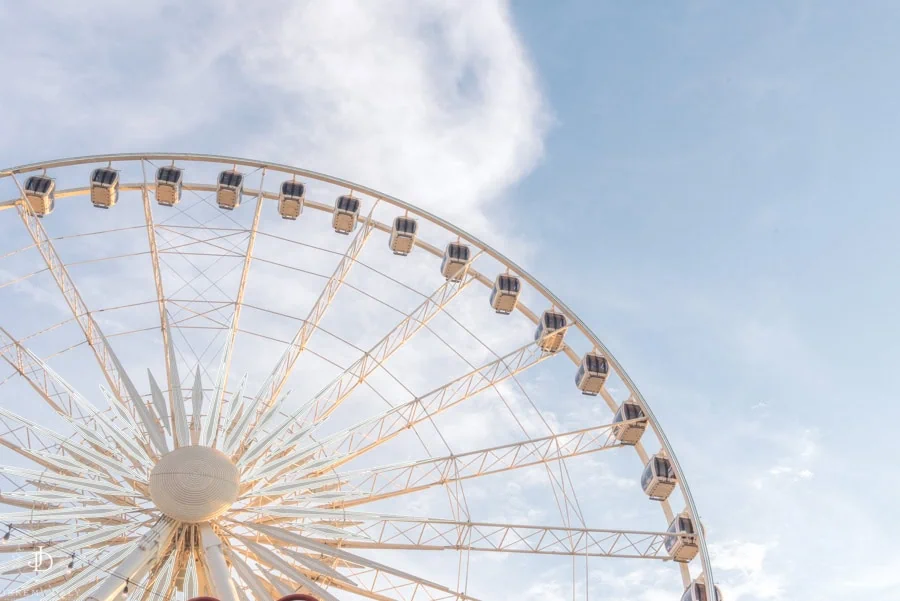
(217, 570)
(225, 367)
(327, 400)
(144, 552)
(66, 402)
(366, 486)
(115, 375)
(442, 535)
(157, 279)
(424, 588)
(356, 440)
(274, 383)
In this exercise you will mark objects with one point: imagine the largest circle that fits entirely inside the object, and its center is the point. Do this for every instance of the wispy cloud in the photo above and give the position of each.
(743, 570)
(435, 102)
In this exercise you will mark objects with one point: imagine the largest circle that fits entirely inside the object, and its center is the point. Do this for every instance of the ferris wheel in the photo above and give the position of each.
(240, 379)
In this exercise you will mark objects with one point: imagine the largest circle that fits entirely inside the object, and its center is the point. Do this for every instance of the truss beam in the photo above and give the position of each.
(227, 352)
(356, 440)
(508, 538)
(366, 486)
(274, 383)
(119, 382)
(157, 275)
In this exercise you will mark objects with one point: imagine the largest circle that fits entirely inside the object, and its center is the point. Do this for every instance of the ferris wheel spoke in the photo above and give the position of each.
(65, 538)
(158, 282)
(235, 410)
(249, 576)
(87, 457)
(28, 503)
(162, 580)
(112, 369)
(440, 535)
(181, 435)
(139, 558)
(196, 407)
(351, 587)
(210, 429)
(228, 350)
(91, 512)
(401, 579)
(352, 442)
(316, 568)
(374, 484)
(64, 548)
(56, 575)
(191, 581)
(242, 594)
(273, 384)
(377, 583)
(64, 465)
(264, 555)
(326, 401)
(156, 395)
(63, 399)
(28, 442)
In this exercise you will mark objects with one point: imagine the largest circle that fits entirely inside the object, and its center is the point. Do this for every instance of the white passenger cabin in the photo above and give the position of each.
(39, 194)
(505, 294)
(658, 479)
(290, 199)
(346, 214)
(629, 433)
(456, 259)
(592, 374)
(229, 190)
(403, 235)
(104, 187)
(684, 547)
(169, 185)
(696, 591)
(551, 331)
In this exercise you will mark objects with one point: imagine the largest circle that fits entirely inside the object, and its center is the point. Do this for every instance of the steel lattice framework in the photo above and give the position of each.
(318, 479)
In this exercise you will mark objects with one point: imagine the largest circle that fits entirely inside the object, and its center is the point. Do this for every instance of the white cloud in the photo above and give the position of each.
(795, 465)
(434, 102)
(742, 571)
(881, 576)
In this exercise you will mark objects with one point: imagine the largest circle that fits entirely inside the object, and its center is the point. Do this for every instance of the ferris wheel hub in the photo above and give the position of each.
(194, 484)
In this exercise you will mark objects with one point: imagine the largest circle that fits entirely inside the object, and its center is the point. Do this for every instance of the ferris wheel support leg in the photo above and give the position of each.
(217, 569)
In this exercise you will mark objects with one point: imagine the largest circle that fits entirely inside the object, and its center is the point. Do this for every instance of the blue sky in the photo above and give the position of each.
(737, 162)
(709, 185)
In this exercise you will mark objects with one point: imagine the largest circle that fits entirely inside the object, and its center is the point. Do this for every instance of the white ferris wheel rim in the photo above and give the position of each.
(462, 235)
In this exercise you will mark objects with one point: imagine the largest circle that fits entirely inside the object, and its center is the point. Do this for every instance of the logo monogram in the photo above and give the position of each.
(42, 561)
